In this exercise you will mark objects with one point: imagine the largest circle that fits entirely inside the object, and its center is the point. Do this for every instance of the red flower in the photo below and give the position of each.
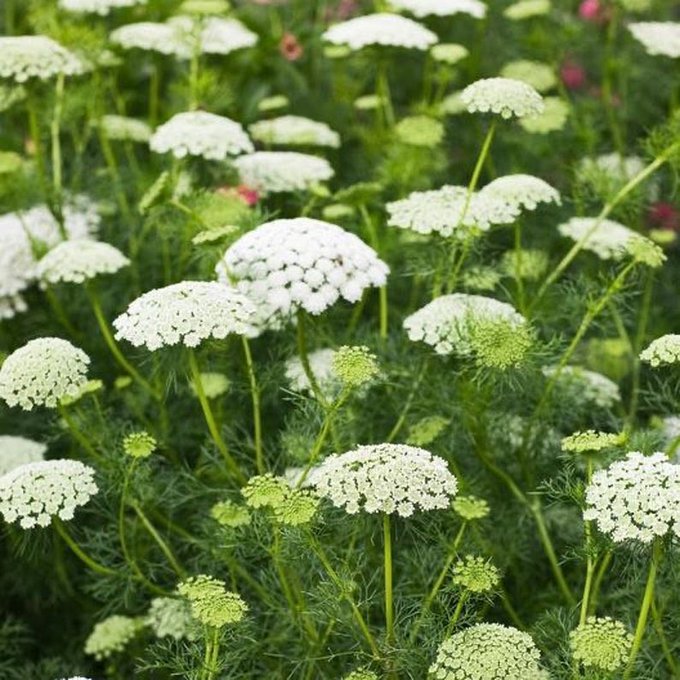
(573, 75)
(663, 215)
(249, 196)
(290, 48)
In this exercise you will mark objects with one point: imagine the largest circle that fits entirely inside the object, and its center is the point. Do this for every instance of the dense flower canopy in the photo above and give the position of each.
(36, 56)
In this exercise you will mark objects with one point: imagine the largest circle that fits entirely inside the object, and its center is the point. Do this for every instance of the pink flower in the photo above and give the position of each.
(573, 75)
(290, 48)
(594, 11)
(664, 215)
(249, 196)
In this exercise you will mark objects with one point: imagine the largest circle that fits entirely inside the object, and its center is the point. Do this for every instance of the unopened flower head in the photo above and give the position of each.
(152, 37)
(265, 491)
(18, 451)
(230, 514)
(301, 264)
(658, 37)
(213, 35)
(637, 498)
(448, 322)
(601, 643)
(426, 430)
(591, 441)
(476, 574)
(185, 313)
(294, 131)
(503, 96)
(355, 366)
(123, 128)
(274, 172)
(199, 133)
(36, 56)
(214, 384)
(42, 372)
(586, 386)
(522, 192)
(211, 603)
(539, 75)
(112, 635)
(171, 617)
(553, 118)
(139, 444)
(298, 507)
(441, 8)
(663, 351)
(321, 365)
(526, 9)
(497, 344)
(487, 651)
(386, 478)
(34, 493)
(420, 130)
(470, 507)
(79, 260)
(101, 7)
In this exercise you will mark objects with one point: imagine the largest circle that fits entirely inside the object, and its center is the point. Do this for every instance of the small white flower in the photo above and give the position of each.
(36, 56)
(441, 8)
(124, 128)
(42, 372)
(387, 478)
(663, 351)
(152, 37)
(381, 29)
(34, 493)
(16, 451)
(588, 386)
(188, 313)
(609, 240)
(101, 7)
(521, 191)
(77, 261)
(199, 133)
(658, 37)
(214, 35)
(504, 96)
(112, 635)
(294, 131)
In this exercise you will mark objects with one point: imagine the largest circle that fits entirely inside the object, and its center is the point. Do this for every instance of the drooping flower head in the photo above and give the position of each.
(386, 478)
(112, 635)
(199, 133)
(292, 264)
(211, 603)
(637, 498)
(101, 7)
(16, 451)
(658, 37)
(441, 8)
(43, 372)
(487, 651)
(152, 37)
(188, 312)
(294, 131)
(77, 261)
(274, 172)
(381, 29)
(601, 643)
(36, 56)
(34, 493)
(663, 351)
(503, 96)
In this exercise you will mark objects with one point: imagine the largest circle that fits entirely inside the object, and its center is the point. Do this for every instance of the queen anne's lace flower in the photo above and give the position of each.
(294, 131)
(387, 478)
(230, 514)
(139, 444)
(539, 75)
(301, 263)
(213, 35)
(211, 603)
(16, 451)
(187, 313)
(35, 492)
(470, 507)
(199, 133)
(321, 364)
(101, 7)
(298, 507)
(420, 130)
(124, 128)
(585, 385)
(487, 651)
(152, 37)
(447, 322)
(658, 37)
(590, 441)
(475, 574)
(601, 643)
(77, 261)
(636, 499)
(609, 240)
(663, 351)
(42, 372)
(273, 172)
(265, 491)
(449, 53)
(521, 191)
(610, 166)
(112, 635)
(355, 366)
(503, 96)
(381, 29)
(36, 56)
(171, 617)
(441, 8)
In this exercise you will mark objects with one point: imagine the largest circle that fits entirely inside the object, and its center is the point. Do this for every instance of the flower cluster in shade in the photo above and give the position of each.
(584, 385)
(440, 8)
(124, 128)
(36, 56)
(382, 29)
(609, 172)
(663, 351)
(214, 384)
(294, 131)
(300, 264)
(291, 506)
(185, 313)
(171, 617)
(386, 478)
(33, 493)
(601, 643)
(78, 260)
(211, 603)
(503, 96)
(17, 451)
(470, 508)
(101, 7)
(42, 372)
(230, 514)
(658, 37)
(199, 133)
(448, 322)
(274, 172)
(475, 574)
(112, 635)
(636, 499)
(488, 651)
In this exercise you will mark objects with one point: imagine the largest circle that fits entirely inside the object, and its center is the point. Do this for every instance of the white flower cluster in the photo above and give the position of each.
(187, 312)
(609, 240)
(35, 492)
(504, 96)
(36, 56)
(321, 364)
(387, 478)
(300, 263)
(199, 133)
(588, 386)
(447, 321)
(601, 643)
(11, 305)
(16, 451)
(663, 351)
(441, 8)
(111, 636)
(294, 131)
(78, 260)
(381, 29)
(273, 172)
(618, 168)
(488, 651)
(42, 372)
(636, 499)
(658, 37)
(213, 35)
(124, 128)
(152, 37)
(171, 617)
(101, 7)
(521, 191)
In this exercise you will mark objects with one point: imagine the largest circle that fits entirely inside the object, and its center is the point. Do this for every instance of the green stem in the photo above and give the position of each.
(194, 70)
(599, 577)
(590, 564)
(79, 552)
(114, 170)
(59, 312)
(456, 614)
(212, 650)
(407, 404)
(382, 291)
(518, 267)
(255, 397)
(384, 93)
(165, 548)
(78, 435)
(34, 127)
(154, 89)
(667, 652)
(55, 129)
(389, 602)
(304, 359)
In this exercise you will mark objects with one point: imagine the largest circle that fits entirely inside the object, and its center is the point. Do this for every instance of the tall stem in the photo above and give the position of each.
(389, 603)
(34, 127)
(55, 129)
(384, 93)
(590, 564)
(194, 70)
(304, 359)
(79, 552)
(457, 612)
(78, 435)
(255, 397)
(382, 291)
(165, 548)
